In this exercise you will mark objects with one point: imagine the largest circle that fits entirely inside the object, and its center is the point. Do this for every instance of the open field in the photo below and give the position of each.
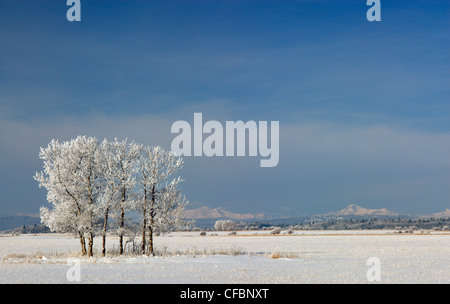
(250, 257)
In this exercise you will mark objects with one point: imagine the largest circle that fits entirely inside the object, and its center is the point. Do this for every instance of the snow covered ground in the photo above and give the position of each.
(312, 257)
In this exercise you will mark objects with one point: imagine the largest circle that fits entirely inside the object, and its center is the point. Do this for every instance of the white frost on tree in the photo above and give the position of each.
(87, 182)
(169, 209)
(224, 225)
(159, 203)
(120, 161)
(73, 182)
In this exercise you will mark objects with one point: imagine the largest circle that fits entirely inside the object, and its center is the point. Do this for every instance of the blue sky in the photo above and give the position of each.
(363, 106)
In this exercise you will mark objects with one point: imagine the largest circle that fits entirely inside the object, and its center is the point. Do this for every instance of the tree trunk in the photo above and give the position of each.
(144, 226)
(105, 225)
(122, 221)
(150, 240)
(144, 221)
(151, 224)
(82, 243)
(91, 213)
(122, 217)
(91, 244)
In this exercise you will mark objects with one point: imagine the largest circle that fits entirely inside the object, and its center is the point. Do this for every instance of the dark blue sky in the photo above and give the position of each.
(363, 106)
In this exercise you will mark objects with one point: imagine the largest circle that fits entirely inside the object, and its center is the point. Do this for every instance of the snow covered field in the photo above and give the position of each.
(305, 257)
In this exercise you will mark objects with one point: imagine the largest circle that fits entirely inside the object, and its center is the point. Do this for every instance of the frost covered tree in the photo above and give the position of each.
(109, 196)
(120, 161)
(90, 183)
(169, 208)
(224, 225)
(160, 202)
(73, 180)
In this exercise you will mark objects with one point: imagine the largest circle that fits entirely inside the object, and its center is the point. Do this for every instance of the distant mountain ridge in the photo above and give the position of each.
(349, 211)
(219, 213)
(445, 213)
(210, 215)
(16, 221)
(356, 210)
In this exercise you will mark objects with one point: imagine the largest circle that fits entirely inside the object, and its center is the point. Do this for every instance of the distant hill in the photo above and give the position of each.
(445, 213)
(219, 213)
(206, 217)
(17, 221)
(355, 210)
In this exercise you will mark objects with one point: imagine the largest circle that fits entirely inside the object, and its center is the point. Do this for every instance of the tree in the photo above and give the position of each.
(159, 203)
(86, 182)
(120, 161)
(169, 208)
(224, 225)
(72, 178)
(109, 194)
(276, 230)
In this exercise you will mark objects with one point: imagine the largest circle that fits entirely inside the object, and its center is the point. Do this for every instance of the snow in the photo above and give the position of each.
(317, 257)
